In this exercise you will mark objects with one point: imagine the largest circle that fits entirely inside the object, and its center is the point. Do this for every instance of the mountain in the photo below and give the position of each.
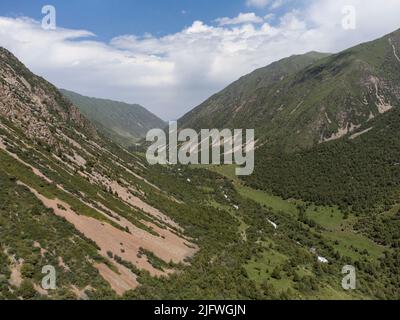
(74, 201)
(113, 227)
(357, 175)
(107, 225)
(305, 100)
(359, 172)
(357, 168)
(124, 123)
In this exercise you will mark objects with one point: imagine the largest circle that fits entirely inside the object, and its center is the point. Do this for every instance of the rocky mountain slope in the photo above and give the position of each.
(73, 200)
(321, 99)
(123, 123)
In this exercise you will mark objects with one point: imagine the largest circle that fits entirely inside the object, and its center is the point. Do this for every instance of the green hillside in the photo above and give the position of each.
(301, 101)
(359, 173)
(123, 123)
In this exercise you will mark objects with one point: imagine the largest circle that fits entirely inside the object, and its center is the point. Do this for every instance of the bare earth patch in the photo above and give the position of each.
(35, 170)
(168, 247)
(125, 195)
(80, 294)
(16, 276)
(122, 282)
(341, 132)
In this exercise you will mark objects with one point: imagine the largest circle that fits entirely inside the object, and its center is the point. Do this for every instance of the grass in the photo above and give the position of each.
(328, 218)
(50, 191)
(335, 294)
(352, 245)
(340, 231)
(260, 269)
(261, 197)
(74, 184)
(23, 221)
(242, 225)
(336, 229)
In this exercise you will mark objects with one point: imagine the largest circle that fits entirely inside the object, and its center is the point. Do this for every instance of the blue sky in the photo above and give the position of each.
(171, 55)
(108, 19)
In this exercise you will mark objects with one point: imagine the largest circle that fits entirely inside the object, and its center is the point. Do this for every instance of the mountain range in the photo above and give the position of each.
(324, 193)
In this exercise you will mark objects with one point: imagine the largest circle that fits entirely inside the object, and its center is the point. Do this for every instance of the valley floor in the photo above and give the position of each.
(333, 228)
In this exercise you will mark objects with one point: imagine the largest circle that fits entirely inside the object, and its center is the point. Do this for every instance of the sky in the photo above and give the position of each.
(171, 55)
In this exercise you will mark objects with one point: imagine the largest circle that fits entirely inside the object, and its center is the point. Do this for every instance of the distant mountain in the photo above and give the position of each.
(123, 123)
(305, 100)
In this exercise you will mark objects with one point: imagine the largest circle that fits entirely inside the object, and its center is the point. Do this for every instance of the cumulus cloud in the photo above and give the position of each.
(172, 74)
(250, 17)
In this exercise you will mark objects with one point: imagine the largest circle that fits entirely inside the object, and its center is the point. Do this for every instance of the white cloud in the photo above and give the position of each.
(257, 3)
(172, 74)
(269, 16)
(242, 18)
(277, 4)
